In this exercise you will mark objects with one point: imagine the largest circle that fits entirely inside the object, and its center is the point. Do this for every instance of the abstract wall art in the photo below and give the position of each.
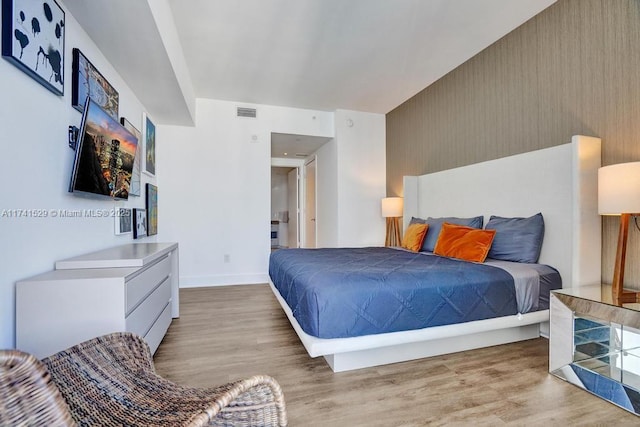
(33, 40)
(149, 145)
(139, 223)
(152, 209)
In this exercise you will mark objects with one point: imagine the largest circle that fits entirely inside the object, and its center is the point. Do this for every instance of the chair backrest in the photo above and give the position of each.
(28, 395)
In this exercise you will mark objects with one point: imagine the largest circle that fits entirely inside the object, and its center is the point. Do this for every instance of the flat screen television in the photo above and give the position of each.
(104, 155)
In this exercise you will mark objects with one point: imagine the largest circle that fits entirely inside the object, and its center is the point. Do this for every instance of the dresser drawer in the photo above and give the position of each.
(143, 317)
(141, 285)
(159, 328)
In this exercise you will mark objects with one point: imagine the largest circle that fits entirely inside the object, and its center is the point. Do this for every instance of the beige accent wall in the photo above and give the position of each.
(573, 69)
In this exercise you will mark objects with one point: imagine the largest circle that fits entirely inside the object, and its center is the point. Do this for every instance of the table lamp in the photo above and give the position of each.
(619, 194)
(392, 211)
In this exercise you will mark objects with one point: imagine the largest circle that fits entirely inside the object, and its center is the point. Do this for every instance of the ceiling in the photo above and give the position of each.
(364, 55)
(286, 145)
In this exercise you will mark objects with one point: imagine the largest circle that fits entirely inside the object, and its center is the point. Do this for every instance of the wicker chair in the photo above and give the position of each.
(111, 381)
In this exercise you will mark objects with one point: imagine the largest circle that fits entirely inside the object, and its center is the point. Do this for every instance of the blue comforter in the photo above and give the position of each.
(338, 293)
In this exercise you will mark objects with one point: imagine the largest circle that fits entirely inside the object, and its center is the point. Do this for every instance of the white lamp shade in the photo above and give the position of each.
(619, 189)
(392, 207)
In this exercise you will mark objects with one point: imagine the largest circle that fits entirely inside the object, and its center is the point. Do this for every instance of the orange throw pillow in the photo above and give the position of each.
(459, 241)
(414, 236)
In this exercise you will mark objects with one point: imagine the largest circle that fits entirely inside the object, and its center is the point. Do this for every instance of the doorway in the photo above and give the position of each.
(296, 152)
(285, 222)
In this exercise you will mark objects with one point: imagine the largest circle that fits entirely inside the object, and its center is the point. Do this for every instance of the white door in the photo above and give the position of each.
(293, 231)
(310, 204)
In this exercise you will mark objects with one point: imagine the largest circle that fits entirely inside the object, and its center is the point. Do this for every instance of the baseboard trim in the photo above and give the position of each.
(222, 280)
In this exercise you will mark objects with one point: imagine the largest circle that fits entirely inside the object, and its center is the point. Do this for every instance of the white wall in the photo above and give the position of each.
(280, 201)
(35, 167)
(361, 177)
(352, 181)
(216, 201)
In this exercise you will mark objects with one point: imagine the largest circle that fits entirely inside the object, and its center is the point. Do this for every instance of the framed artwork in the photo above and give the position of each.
(134, 186)
(152, 209)
(33, 40)
(149, 145)
(124, 220)
(87, 81)
(139, 223)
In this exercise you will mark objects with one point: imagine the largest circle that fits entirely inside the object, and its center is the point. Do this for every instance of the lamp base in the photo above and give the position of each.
(393, 232)
(627, 297)
(619, 294)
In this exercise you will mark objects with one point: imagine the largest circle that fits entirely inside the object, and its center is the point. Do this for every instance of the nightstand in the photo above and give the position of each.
(595, 345)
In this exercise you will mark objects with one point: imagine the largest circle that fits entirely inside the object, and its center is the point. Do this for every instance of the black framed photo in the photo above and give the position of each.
(87, 81)
(134, 186)
(152, 209)
(33, 40)
(139, 223)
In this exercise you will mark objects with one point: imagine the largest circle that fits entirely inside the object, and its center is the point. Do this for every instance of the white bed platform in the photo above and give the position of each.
(560, 182)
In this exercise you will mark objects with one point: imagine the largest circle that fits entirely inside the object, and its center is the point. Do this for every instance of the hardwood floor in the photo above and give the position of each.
(227, 333)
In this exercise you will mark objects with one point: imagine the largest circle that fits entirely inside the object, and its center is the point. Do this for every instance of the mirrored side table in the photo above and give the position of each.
(595, 344)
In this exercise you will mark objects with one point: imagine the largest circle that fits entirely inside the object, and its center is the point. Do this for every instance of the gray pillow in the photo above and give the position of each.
(516, 239)
(435, 224)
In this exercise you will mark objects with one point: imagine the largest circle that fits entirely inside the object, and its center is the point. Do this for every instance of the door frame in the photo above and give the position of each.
(298, 209)
(303, 229)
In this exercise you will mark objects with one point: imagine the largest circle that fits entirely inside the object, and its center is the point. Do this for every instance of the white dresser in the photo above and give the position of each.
(131, 288)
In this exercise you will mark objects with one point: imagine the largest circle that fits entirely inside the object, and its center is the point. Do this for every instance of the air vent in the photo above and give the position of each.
(247, 112)
(301, 155)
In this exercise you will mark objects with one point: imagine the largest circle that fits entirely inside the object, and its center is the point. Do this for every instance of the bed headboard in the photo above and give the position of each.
(561, 182)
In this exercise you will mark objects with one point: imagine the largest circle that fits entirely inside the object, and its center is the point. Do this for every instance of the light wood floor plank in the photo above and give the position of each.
(232, 332)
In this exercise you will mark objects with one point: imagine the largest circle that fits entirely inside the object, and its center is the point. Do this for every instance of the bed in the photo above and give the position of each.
(560, 182)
